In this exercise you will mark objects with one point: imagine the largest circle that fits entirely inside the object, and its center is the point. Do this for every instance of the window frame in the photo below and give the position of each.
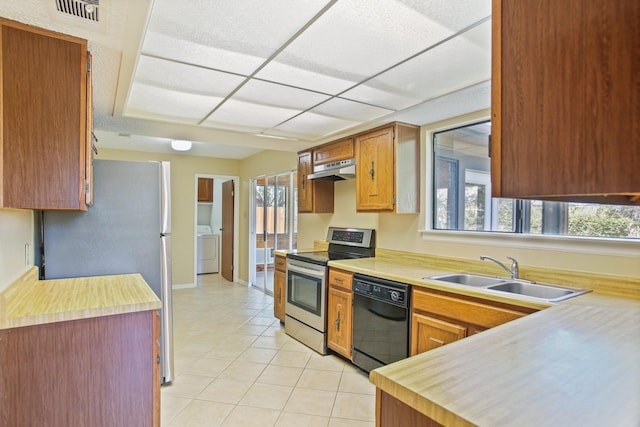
(577, 244)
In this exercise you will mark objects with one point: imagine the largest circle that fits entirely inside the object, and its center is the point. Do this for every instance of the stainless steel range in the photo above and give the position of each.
(305, 308)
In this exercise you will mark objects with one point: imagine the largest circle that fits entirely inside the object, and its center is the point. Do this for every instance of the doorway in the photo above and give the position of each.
(212, 207)
(274, 225)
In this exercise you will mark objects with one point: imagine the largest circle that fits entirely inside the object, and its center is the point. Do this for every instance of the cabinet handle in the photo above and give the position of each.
(337, 323)
(337, 279)
(303, 182)
(372, 171)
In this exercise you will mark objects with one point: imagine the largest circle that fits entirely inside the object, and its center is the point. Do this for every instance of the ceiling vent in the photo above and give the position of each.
(87, 10)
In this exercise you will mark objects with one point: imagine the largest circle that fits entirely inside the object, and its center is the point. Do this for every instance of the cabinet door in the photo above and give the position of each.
(428, 333)
(566, 100)
(279, 296)
(305, 189)
(313, 196)
(333, 152)
(375, 177)
(43, 119)
(205, 189)
(340, 322)
(340, 279)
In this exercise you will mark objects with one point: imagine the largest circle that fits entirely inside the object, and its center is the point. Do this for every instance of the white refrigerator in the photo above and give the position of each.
(127, 230)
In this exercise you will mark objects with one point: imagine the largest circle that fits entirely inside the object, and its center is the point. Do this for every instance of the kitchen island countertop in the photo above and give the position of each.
(29, 301)
(574, 363)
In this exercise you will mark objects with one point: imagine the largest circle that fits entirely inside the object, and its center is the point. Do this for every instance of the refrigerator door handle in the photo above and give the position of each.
(165, 197)
(167, 310)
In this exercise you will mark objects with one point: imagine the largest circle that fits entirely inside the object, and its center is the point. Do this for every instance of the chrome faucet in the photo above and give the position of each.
(514, 265)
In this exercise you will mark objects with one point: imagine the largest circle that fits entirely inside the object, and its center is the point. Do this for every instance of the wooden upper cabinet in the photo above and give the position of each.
(44, 115)
(205, 189)
(566, 100)
(388, 169)
(313, 196)
(333, 152)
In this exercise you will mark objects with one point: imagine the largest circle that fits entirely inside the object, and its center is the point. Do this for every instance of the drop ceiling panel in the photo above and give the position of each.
(458, 63)
(278, 95)
(185, 78)
(313, 125)
(248, 114)
(307, 78)
(252, 28)
(356, 39)
(152, 102)
(350, 110)
(191, 52)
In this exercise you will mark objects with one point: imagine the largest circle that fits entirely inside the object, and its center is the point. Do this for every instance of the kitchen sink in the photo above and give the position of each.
(467, 279)
(546, 292)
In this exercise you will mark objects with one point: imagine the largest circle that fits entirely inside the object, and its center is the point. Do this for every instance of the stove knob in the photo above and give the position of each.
(395, 295)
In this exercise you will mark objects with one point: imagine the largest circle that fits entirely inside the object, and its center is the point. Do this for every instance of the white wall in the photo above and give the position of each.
(16, 231)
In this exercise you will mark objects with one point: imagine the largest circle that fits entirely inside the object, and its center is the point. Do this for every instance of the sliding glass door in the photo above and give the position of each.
(274, 225)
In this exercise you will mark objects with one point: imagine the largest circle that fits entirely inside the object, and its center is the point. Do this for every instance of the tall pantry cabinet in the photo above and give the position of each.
(45, 119)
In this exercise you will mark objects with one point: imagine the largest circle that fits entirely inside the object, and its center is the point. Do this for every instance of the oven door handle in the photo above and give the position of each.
(310, 272)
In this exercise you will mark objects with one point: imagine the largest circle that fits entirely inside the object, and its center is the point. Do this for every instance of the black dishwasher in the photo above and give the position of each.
(380, 321)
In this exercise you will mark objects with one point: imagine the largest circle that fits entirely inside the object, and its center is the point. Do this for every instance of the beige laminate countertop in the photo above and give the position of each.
(575, 363)
(30, 301)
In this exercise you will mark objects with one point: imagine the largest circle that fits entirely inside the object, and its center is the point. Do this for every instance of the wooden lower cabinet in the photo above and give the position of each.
(340, 321)
(98, 372)
(340, 312)
(280, 287)
(279, 294)
(439, 318)
(391, 412)
(429, 333)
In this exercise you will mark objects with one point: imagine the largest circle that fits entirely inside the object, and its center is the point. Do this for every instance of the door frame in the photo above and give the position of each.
(292, 210)
(236, 232)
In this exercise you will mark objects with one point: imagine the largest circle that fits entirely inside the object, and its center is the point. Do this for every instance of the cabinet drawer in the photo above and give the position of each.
(339, 150)
(281, 263)
(477, 313)
(340, 279)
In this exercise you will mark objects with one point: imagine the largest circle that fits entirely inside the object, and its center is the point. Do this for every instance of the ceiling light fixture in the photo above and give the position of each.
(181, 145)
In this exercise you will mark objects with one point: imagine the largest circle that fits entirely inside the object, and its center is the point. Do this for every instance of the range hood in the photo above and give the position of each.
(335, 171)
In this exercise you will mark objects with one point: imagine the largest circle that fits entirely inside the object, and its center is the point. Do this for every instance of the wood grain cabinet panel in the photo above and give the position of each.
(341, 279)
(99, 372)
(388, 169)
(428, 333)
(333, 152)
(340, 312)
(391, 412)
(313, 196)
(439, 318)
(280, 287)
(205, 189)
(45, 116)
(340, 321)
(566, 100)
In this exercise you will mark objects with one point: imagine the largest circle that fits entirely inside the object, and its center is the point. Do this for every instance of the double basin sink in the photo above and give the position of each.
(546, 292)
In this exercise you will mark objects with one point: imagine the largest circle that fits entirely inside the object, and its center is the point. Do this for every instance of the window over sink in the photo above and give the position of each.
(462, 196)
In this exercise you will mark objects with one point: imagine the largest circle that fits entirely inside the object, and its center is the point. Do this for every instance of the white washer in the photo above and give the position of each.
(208, 250)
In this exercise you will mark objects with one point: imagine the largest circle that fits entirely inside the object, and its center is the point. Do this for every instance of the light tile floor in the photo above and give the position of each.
(235, 366)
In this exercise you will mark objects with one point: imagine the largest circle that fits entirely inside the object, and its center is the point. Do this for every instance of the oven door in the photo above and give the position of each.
(306, 293)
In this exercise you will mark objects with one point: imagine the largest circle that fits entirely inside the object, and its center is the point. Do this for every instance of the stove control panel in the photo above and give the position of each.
(352, 236)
